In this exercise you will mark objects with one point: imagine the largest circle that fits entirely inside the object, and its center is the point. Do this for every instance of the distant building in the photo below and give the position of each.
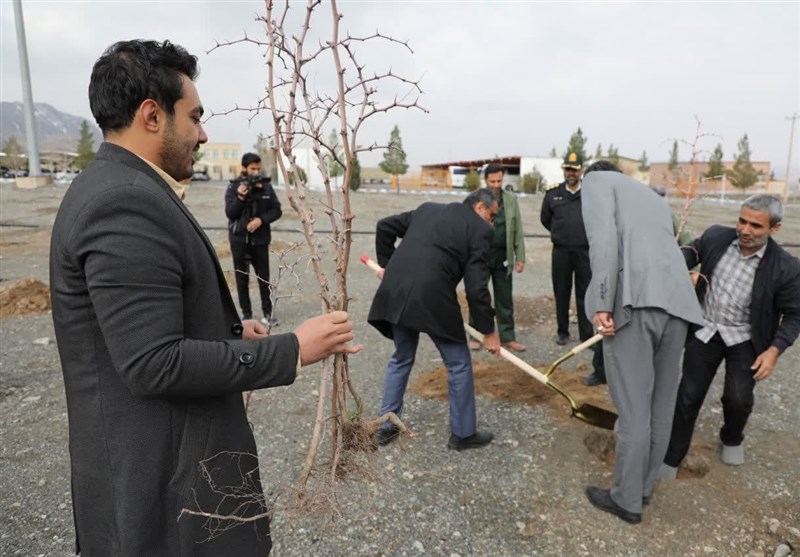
(691, 178)
(372, 175)
(306, 160)
(221, 161)
(451, 174)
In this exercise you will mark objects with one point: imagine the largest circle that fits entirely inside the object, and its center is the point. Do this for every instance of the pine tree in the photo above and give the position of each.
(744, 173)
(553, 152)
(577, 144)
(13, 150)
(715, 167)
(472, 181)
(335, 169)
(673, 156)
(533, 181)
(85, 147)
(643, 164)
(613, 154)
(394, 158)
(355, 175)
(598, 153)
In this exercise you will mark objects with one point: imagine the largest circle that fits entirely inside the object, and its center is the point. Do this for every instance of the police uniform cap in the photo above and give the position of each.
(573, 160)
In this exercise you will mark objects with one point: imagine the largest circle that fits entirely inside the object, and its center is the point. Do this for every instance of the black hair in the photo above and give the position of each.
(484, 195)
(492, 168)
(250, 158)
(130, 72)
(602, 165)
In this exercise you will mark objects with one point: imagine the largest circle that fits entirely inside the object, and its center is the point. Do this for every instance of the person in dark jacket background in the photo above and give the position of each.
(251, 206)
(561, 215)
(749, 288)
(441, 245)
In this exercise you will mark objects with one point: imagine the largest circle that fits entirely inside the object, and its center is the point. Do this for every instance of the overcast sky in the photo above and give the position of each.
(499, 78)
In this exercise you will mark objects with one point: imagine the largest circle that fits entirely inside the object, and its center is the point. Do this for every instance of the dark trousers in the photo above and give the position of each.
(700, 363)
(566, 263)
(244, 255)
(460, 387)
(502, 290)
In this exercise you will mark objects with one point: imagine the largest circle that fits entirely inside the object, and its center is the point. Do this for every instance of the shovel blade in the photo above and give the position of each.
(596, 416)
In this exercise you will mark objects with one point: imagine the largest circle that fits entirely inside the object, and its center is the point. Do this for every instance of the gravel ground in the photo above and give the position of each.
(521, 496)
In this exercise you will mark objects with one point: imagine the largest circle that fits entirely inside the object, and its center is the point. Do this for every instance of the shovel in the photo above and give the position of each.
(589, 413)
(580, 348)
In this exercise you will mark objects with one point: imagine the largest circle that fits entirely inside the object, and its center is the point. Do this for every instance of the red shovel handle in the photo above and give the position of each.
(370, 263)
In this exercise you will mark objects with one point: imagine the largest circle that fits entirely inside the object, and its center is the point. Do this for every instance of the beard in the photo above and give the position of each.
(176, 154)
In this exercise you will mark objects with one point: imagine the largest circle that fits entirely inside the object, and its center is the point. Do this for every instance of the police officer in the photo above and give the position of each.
(251, 205)
(561, 215)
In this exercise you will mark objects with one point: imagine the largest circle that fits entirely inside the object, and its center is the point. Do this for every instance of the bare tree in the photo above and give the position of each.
(299, 115)
(685, 179)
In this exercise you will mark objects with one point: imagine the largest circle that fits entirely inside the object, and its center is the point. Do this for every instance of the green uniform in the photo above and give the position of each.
(508, 248)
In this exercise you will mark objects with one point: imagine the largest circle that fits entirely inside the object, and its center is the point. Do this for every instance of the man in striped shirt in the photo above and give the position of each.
(750, 291)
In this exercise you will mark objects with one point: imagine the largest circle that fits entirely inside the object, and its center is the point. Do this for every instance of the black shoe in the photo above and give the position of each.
(562, 340)
(476, 441)
(592, 380)
(601, 498)
(387, 435)
(646, 500)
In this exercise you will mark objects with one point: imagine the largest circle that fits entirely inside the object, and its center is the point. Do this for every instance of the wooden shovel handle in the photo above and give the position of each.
(523, 365)
(586, 344)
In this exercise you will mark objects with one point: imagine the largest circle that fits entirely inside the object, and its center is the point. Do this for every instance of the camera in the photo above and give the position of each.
(255, 181)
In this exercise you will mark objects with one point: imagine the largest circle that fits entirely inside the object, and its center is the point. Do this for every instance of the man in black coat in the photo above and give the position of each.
(154, 355)
(749, 287)
(441, 245)
(251, 206)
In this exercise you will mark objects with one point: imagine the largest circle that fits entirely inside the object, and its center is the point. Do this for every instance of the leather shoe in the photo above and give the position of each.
(514, 346)
(592, 380)
(601, 498)
(387, 435)
(474, 345)
(475, 441)
(562, 340)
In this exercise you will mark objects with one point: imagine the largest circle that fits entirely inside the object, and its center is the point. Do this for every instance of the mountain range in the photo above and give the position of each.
(55, 130)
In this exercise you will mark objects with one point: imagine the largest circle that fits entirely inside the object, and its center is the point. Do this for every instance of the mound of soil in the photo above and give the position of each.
(24, 297)
(501, 380)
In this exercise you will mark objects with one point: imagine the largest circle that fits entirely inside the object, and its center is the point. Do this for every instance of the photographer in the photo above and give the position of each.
(251, 205)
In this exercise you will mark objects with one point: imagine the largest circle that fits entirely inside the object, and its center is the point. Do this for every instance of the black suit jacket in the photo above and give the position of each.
(442, 244)
(154, 366)
(775, 305)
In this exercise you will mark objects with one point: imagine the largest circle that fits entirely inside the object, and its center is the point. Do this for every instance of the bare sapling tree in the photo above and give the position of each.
(300, 115)
(685, 179)
(277, 290)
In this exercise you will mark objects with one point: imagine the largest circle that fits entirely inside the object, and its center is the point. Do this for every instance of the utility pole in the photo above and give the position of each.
(27, 95)
(793, 118)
